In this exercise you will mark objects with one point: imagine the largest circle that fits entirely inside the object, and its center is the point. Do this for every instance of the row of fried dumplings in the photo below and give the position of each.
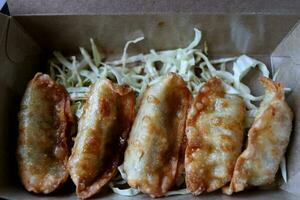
(171, 133)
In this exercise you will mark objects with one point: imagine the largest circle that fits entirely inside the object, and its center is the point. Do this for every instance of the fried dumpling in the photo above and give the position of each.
(215, 131)
(155, 152)
(102, 134)
(267, 141)
(44, 120)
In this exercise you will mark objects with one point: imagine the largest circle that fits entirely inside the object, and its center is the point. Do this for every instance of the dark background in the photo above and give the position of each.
(5, 10)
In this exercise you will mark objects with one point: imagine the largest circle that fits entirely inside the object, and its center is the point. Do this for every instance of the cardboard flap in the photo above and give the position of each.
(18, 50)
(17, 35)
(67, 7)
(250, 34)
(286, 57)
(3, 26)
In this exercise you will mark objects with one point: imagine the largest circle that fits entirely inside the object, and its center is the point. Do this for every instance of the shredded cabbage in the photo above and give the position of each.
(77, 73)
(121, 180)
(140, 71)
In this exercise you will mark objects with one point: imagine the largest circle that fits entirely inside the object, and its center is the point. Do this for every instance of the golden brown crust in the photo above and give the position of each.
(205, 99)
(214, 129)
(274, 87)
(102, 134)
(154, 157)
(267, 141)
(44, 121)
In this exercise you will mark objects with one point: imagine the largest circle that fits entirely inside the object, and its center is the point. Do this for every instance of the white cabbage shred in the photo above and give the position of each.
(77, 73)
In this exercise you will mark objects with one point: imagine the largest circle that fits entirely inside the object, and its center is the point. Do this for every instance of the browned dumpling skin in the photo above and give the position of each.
(44, 121)
(267, 141)
(154, 156)
(102, 135)
(214, 130)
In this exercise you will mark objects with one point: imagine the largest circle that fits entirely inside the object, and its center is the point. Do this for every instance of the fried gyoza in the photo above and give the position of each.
(154, 156)
(102, 134)
(214, 130)
(267, 141)
(44, 120)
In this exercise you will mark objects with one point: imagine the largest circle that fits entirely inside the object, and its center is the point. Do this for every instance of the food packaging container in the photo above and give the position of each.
(266, 30)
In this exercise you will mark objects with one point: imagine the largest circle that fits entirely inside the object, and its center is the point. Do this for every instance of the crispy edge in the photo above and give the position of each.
(272, 86)
(278, 90)
(63, 109)
(186, 103)
(211, 89)
(127, 103)
(202, 102)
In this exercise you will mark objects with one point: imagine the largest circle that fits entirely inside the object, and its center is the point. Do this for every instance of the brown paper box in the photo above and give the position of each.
(265, 30)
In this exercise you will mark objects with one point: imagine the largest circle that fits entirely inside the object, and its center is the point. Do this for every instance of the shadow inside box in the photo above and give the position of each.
(67, 190)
